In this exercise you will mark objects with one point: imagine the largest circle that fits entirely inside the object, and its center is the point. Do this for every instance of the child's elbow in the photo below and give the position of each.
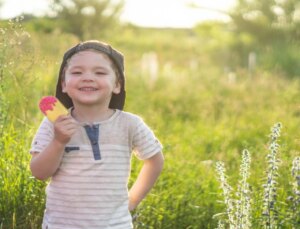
(41, 178)
(37, 174)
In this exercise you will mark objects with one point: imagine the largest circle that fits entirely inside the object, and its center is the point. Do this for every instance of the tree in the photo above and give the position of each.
(268, 20)
(270, 28)
(87, 18)
(275, 27)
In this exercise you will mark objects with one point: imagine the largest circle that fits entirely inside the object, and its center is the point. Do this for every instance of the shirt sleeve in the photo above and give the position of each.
(42, 137)
(145, 144)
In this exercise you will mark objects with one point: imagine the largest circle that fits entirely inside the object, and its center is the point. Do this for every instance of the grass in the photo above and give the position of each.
(22, 196)
(199, 115)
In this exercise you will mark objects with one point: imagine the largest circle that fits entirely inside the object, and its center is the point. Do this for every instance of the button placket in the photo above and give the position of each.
(93, 134)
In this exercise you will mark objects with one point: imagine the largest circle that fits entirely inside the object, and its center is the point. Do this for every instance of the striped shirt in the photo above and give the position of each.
(89, 189)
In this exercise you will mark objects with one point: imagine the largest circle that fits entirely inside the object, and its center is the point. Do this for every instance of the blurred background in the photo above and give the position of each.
(210, 77)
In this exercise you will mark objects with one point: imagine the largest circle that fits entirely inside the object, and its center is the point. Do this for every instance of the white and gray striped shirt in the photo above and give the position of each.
(91, 193)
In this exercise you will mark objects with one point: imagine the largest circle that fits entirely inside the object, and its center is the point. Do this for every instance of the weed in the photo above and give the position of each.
(238, 210)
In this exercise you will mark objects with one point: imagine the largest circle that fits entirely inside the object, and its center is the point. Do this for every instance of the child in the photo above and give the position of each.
(87, 153)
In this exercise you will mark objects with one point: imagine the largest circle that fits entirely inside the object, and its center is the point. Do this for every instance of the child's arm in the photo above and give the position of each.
(44, 164)
(148, 175)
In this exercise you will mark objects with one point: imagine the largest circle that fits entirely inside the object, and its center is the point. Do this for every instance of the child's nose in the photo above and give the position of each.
(88, 76)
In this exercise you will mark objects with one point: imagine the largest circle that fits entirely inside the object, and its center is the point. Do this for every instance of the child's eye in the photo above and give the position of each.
(76, 73)
(100, 73)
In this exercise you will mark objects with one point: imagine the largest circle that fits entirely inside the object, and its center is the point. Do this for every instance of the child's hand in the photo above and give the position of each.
(132, 204)
(148, 175)
(64, 127)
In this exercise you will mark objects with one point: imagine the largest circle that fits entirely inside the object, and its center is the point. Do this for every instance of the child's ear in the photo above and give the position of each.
(63, 86)
(117, 88)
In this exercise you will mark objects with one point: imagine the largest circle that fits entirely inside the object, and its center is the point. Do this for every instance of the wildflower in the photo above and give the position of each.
(270, 187)
(238, 210)
(244, 203)
(227, 193)
(220, 225)
(296, 190)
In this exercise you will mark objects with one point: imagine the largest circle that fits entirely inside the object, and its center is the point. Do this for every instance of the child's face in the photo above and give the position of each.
(90, 79)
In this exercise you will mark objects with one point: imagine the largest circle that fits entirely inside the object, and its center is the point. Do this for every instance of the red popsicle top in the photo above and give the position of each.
(47, 103)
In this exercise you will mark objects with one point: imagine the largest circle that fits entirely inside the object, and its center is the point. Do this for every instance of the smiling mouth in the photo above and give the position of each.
(87, 89)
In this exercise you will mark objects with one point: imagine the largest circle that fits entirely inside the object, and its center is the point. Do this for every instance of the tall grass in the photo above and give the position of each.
(197, 113)
(21, 196)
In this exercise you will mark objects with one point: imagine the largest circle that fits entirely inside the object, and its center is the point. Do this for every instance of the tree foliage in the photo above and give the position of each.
(274, 25)
(87, 18)
(268, 20)
(270, 29)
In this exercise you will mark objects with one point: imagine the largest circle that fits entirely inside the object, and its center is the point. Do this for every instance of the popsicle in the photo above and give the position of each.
(52, 107)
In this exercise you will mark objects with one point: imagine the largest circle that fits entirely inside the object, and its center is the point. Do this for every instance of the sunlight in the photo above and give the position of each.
(169, 13)
(154, 13)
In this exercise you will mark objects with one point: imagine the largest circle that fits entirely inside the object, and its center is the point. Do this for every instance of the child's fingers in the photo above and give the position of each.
(63, 117)
(64, 127)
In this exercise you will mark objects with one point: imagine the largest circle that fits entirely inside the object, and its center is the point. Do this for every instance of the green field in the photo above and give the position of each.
(201, 113)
